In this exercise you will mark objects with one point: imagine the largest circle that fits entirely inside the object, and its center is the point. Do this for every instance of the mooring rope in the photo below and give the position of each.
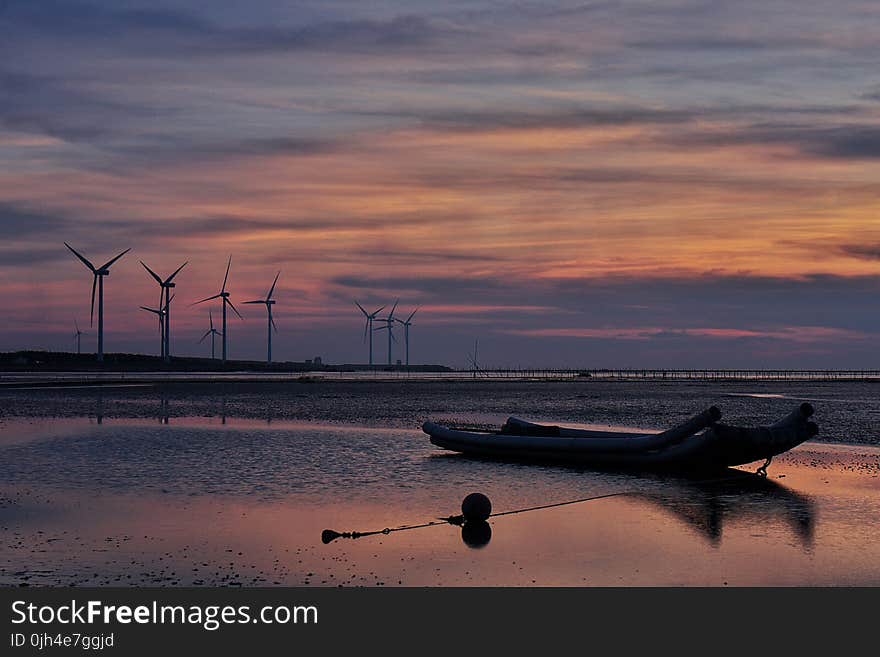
(329, 535)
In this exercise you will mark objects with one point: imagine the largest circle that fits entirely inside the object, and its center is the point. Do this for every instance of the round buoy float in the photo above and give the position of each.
(476, 507)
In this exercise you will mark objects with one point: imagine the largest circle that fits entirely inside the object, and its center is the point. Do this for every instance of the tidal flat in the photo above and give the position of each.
(233, 484)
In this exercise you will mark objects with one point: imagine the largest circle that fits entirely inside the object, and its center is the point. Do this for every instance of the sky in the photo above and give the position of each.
(664, 183)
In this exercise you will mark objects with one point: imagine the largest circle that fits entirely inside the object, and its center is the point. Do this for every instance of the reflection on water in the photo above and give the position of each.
(741, 496)
(168, 499)
(476, 533)
(705, 505)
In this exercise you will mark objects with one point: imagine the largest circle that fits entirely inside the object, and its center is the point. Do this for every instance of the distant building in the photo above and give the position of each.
(309, 361)
(399, 362)
(318, 360)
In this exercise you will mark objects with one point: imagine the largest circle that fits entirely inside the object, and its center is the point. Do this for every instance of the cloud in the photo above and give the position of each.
(796, 334)
(557, 118)
(864, 251)
(17, 222)
(53, 106)
(27, 257)
(871, 94)
(686, 42)
(845, 142)
(165, 33)
(850, 141)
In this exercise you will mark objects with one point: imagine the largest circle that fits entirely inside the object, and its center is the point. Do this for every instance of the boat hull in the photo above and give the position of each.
(701, 443)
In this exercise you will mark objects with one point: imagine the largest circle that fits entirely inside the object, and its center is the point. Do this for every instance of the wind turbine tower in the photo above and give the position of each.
(98, 281)
(77, 335)
(406, 324)
(161, 313)
(212, 332)
(368, 326)
(165, 297)
(223, 294)
(389, 326)
(269, 301)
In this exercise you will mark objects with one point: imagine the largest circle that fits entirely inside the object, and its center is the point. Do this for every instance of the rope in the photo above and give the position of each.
(329, 535)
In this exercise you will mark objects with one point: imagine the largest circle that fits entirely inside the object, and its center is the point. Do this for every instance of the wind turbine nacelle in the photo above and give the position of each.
(169, 285)
(102, 272)
(270, 302)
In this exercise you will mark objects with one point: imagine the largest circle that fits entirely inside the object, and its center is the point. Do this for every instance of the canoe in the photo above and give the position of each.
(700, 443)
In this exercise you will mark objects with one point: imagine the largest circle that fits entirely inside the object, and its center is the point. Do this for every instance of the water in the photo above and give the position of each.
(846, 411)
(233, 485)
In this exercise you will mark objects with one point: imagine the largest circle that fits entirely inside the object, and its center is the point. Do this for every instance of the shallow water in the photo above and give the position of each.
(224, 494)
(845, 411)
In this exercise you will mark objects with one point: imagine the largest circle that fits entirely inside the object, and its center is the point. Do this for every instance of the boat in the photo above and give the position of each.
(700, 443)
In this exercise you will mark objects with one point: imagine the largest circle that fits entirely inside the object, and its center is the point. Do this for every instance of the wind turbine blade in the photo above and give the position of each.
(94, 284)
(76, 324)
(152, 273)
(216, 296)
(391, 314)
(376, 312)
(234, 309)
(151, 310)
(176, 271)
(207, 333)
(257, 301)
(413, 314)
(226, 277)
(366, 329)
(362, 309)
(110, 262)
(272, 320)
(168, 303)
(81, 257)
(211, 319)
(272, 289)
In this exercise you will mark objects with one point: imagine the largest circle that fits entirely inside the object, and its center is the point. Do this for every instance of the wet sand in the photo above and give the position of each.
(135, 501)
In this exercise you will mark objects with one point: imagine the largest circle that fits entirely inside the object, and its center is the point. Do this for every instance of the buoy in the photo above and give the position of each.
(476, 507)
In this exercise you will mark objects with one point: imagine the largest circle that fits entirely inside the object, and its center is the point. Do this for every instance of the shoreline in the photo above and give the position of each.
(108, 379)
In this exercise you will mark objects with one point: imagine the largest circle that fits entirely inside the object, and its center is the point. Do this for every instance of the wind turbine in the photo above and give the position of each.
(389, 326)
(165, 286)
(78, 336)
(162, 313)
(98, 281)
(212, 332)
(269, 301)
(406, 324)
(223, 294)
(473, 360)
(368, 327)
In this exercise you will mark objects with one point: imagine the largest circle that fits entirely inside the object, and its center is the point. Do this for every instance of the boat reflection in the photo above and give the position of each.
(739, 496)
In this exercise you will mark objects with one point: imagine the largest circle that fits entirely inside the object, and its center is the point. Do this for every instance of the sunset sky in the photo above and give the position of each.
(669, 183)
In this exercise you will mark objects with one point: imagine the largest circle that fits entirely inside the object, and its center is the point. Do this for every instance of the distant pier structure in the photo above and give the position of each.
(677, 374)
